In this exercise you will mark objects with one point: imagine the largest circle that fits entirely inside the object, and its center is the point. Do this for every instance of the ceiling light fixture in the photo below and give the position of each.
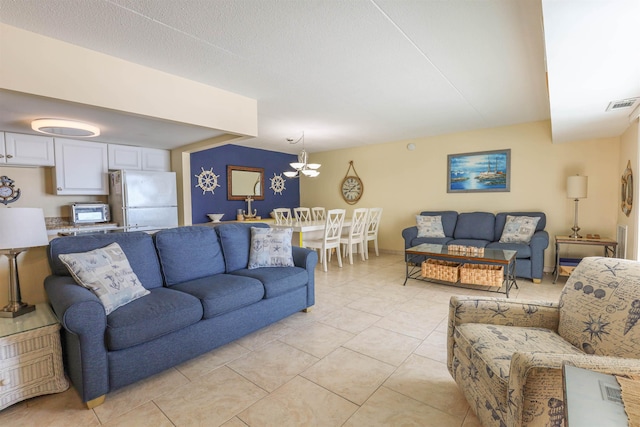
(302, 166)
(60, 127)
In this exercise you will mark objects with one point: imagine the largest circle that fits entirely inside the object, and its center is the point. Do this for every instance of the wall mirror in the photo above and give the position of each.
(243, 181)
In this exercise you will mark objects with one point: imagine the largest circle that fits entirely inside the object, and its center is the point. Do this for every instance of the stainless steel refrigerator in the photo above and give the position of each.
(142, 200)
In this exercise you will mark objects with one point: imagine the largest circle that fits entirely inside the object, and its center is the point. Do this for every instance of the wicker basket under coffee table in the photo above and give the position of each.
(30, 356)
(492, 270)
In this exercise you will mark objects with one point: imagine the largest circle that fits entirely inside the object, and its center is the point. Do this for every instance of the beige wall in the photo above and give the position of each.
(405, 182)
(629, 143)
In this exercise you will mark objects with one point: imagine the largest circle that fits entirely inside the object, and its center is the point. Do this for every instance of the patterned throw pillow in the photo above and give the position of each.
(270, 247)
(430, 226)
(107, 273)
(519, 229)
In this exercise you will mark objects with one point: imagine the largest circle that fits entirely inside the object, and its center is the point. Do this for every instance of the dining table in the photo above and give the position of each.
(302, 227)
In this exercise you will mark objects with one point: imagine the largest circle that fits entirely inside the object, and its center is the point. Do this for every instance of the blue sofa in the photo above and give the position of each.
(202, 296)
(483, 229)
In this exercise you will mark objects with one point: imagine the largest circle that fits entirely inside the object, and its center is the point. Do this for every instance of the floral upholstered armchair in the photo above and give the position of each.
(506, 355)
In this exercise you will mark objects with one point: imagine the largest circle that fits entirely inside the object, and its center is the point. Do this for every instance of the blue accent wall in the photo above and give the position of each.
(217, 159)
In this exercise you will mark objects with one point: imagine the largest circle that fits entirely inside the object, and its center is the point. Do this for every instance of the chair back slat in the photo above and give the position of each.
(318, 213)
(373, 221)
(358, 223)
(333, 226)
(283, 216)
(302, 214)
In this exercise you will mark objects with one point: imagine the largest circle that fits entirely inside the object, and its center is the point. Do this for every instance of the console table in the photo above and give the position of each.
(30, 356)
(608, 245)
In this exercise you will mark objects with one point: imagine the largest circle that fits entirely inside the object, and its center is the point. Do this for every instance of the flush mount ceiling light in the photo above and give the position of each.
(302, 166)
(59, 127)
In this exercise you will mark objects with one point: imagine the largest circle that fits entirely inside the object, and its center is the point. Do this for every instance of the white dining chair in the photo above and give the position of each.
(318, 213)
(331, 237)
(371, 233)
(354, 236)
(302, 214)
(282, 216)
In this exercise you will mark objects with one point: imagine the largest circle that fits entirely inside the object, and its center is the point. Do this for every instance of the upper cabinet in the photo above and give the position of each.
(138, 158)
(81, 167)
(26, 150)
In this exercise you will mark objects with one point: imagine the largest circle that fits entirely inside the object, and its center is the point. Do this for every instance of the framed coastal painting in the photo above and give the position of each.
(482, 171)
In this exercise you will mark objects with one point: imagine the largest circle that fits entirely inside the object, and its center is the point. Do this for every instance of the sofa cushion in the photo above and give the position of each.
(429, 226)
(448, 218)
(223, 293)
(519, 229)
(163, 311)
(600, 307)
(188, 253)
(136, 245)
(433, 240)
(105, 272)
(522, 250)
(277, 281)
(270, 247)
(475, 225)
(235, 239)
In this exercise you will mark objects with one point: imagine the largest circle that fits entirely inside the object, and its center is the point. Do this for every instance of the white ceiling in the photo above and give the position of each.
(357, 72)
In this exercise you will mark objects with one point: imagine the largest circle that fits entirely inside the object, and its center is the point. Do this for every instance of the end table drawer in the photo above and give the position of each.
(26, 373)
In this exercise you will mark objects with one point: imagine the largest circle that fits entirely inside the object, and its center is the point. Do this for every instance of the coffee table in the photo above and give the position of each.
(506, 258)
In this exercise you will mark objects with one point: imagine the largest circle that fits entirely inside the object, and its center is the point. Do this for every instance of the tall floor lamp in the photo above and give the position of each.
(20, 229)
(576, 189)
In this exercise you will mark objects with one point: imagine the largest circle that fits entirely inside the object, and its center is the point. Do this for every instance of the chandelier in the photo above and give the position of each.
(302, 166)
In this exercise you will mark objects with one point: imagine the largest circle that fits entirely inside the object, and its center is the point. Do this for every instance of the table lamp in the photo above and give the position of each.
(20, 229)
(576, 189)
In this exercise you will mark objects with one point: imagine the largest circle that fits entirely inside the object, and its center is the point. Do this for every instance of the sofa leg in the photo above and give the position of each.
(96, 402)
(538, 281)
(307, 310)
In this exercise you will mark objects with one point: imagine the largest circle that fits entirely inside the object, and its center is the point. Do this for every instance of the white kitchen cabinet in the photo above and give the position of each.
(81, 167)
(125, 157)
(138, 158)
(155, 159)
(26, 150)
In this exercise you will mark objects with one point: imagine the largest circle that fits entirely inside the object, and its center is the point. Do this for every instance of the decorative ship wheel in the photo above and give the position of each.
(207, 180)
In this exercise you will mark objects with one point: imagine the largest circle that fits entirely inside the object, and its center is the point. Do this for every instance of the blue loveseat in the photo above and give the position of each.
(483, 229)
(201, 296)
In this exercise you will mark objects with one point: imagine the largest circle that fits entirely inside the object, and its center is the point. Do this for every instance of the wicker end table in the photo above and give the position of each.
(30, 356)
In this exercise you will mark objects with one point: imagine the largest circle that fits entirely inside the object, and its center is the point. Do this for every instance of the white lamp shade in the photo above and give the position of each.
(22, 228)
(577, 187)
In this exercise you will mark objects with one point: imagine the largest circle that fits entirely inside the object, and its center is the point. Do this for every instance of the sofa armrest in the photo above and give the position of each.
(539, 242)
(538, 377)
(307, 259)
(498, 311)
(84, 321)
(408, 234)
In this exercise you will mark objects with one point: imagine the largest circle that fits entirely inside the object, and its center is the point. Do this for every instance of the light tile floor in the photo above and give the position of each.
(371, 353)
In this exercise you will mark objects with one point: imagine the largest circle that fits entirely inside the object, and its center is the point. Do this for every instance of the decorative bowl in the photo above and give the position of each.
(215, 217)
(272, 214)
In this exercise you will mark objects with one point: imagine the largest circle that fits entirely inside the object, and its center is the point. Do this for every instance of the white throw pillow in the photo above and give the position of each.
(270, 247)
(107, 273)
(429, 226)
(519, 229)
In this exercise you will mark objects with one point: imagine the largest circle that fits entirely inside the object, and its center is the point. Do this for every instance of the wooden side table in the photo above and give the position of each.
(608, 245)
(30, 356)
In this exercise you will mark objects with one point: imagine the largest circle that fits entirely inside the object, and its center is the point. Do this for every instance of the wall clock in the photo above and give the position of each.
(352, 186)
(626, 188)
(8, 193)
